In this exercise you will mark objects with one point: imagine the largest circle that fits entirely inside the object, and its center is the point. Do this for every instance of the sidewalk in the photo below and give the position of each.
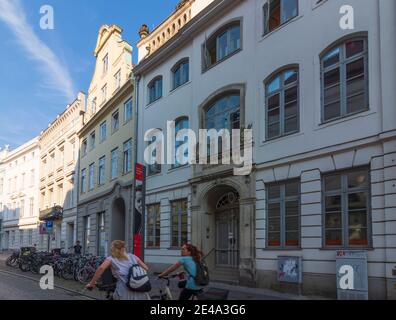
(235, 292)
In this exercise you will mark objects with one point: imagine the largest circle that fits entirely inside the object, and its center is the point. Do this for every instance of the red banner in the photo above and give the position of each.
(139, 172)
(137, 248)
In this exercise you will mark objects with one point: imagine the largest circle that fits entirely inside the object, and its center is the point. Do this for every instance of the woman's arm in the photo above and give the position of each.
(102, 268)
(176, 266)
(142, 264)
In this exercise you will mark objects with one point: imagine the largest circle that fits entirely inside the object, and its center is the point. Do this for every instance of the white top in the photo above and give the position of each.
(120, 268)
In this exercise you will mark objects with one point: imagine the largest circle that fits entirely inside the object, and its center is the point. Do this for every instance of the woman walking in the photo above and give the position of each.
(120, 262)
(190, 256)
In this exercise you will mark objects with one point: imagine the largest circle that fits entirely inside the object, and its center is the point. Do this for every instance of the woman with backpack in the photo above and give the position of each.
(191, 256)
(120, 263)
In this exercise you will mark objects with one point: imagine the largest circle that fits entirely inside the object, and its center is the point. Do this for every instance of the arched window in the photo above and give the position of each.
(222, 44)
(180, 124)
(155, 89)
(281, 96)
(344, 70)
(224, 113)
(180, 73)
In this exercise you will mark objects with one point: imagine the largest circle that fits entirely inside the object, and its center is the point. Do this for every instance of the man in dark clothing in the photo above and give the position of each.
(77, 248)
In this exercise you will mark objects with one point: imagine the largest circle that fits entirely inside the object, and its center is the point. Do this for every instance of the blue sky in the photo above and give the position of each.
(41, 71)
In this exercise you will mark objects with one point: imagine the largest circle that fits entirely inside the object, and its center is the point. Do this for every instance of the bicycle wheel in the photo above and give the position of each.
(84, 276)
(67, 272)
(24, 266)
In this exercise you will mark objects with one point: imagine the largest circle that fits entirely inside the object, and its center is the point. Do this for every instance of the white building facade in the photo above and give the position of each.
(59, 150)
(320, 101)
(19, 198)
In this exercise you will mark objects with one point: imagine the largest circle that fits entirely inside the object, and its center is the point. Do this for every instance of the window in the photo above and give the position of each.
(60, 195)
(224, 113)
(92, 140)
(104, 93)
(21, 238)
(84, 147)
(282, 104)
(30, 237)
(102, 169)
(114, 163)
(1, 185)
(283, 212)
(345, 80)
(153, 226)
(117, 79)
(83, 180)
(115, 122)
(346, 209)
(222, 44)
(31, 207)
(87, 233)
(32, 177)
(180, 125)
(91, 176)
(278, 12)
(128, 110)
(155, 167)
(128, 156)
(23, 181)
(101, 235)
(102, 132)
(22, 209)
(179, 223)
(155, 90)
(180, 73)
(93, 105)
(105, 64)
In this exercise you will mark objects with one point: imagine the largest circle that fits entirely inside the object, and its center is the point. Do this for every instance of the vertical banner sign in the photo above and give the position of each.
(138, 242)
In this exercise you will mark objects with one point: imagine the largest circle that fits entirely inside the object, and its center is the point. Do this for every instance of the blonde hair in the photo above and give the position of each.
(117, 250)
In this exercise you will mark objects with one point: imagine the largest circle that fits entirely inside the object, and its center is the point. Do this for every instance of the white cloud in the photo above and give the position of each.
(56, 75)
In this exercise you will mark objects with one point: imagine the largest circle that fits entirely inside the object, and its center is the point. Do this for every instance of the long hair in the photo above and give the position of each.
(117, 250)
(195, 253)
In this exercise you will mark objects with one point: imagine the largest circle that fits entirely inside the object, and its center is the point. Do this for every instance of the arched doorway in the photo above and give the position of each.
(118, 217)
(223, 214)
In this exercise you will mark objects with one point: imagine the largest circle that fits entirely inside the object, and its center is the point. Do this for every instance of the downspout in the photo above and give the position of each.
(135, 80)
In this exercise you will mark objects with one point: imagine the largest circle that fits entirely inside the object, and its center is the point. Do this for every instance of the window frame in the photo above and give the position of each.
(341, 65)
(177, 66)
(282, 216)
(113, 127)
(91, 176)
(214, 38)
(282, 121)
(102, 167)
(152, 86)
(114, 151)
(157, 216)
(179, 120)
(179, 223)
(125, 163)
(129, 101)
(103, 127)
(344, 192)
(83, 188)
(266, 30)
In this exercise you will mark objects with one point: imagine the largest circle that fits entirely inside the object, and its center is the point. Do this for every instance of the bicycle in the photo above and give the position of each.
(166, 294)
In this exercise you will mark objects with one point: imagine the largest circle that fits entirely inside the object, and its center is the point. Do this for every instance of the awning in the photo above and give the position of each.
(53, 213)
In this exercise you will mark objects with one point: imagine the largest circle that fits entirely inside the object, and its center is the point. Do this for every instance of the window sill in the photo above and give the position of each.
(153, 175)
(369, 248)
(352, 116)
(204, 70)
(282, 249)
(115, 131)
(280, 27)
(172, 169)
(153, 102)
(179, 87)
(281, 138)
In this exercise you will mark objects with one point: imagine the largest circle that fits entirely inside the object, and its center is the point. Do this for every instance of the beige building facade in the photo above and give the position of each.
(106, 147)
(58, 176)
(19, 173)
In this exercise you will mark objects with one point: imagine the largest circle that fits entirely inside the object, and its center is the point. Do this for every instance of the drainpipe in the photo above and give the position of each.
(135, 80)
